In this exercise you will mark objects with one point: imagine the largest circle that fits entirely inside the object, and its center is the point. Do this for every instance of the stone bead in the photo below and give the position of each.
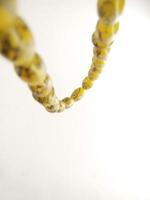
(53, 105)
(16, 40)
(45, 100)
(44, 89)
(13, 48)
(32, 72)
(97, 40)
(62, 106)
(97, 62)
(68, 102)
(77, 94)
(109, 10)
(106, 32)
(101, 53)
(87, 83)
(94, 73)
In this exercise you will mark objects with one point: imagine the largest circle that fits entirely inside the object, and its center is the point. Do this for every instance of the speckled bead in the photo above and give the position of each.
(16, 42)
(53, 105)
(32, 72)
(77, 94)
(42, 90)
(17, 45)
(87, 83)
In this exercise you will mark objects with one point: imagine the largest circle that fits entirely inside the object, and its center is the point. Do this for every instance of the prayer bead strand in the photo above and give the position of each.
(17, 45)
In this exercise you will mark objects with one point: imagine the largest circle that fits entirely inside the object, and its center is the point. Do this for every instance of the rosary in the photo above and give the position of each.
(17, 45)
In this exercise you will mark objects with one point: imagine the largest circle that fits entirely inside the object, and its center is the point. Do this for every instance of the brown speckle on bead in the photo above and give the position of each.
(77, 94)
(33, 72)
(23, 31)
(87, 83)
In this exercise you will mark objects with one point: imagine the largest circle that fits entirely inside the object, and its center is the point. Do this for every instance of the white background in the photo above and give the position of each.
(99, 149)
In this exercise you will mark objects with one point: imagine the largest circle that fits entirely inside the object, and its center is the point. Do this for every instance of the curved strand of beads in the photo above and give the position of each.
(17, 45)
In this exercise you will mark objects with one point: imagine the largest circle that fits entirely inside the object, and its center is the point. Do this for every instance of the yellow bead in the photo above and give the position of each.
(13, 48)
(62, 106)
(97, 62)
(6, 19)
(45, 99)
(106, 32)
(94, 73)
(42, 90)
(53, 105)
(68, 102)
(23, 31)
(33, 72)
(77, 94)
(87, 83)
(101, 53)
(97, 40)
(109, 10)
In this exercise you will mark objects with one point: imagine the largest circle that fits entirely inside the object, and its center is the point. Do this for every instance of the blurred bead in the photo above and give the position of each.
(87, 83)
(77, 94)
(13, 48)
(97, 62)
(9, 5)
(6, 19)
(109, 10)
(33, 72)
(23, 31)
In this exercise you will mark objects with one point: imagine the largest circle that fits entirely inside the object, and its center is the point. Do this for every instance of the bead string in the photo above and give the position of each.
(17, 45)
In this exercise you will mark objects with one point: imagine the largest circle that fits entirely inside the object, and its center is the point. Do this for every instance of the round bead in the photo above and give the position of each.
(68, 102)
(43, 89)
(33, 72)
(77, 94)
(87, 83)
(94, 73)
(106, 32)
(109, 10)
(97, 62)
(13, 48)
(101, 53)
(62, 106)
(53, 105)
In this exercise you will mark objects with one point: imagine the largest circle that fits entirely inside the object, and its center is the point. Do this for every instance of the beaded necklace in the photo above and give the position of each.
(17, 45)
